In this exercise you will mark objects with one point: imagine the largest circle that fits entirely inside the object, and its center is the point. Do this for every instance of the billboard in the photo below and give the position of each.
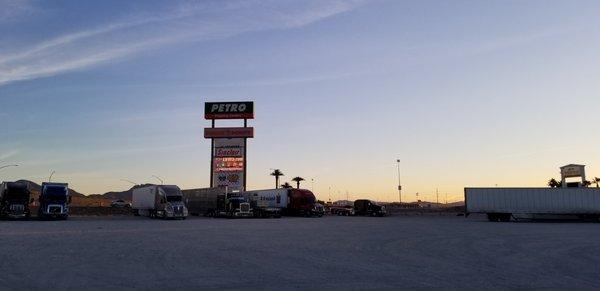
(572, 171)
(228, 132)
(234, 181)
(229, 110)
(229, 163)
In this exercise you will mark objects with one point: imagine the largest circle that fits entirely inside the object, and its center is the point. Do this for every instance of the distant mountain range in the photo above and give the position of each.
(36, 188)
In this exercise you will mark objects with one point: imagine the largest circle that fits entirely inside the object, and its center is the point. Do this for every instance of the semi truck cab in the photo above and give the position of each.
(233, 205)
(54, 201)
(172, 202)
(14, 200)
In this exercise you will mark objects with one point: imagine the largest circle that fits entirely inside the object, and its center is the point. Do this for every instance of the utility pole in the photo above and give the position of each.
(437, 196)
(399, 183)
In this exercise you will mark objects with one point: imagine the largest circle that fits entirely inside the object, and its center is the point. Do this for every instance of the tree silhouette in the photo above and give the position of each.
(298, 180)
(586, 183)
(554, 184)
(286, 185)
(277, 173)
(596, 181)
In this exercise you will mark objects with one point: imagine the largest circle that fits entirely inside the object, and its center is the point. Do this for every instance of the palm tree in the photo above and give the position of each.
(596, 181)
(554, 184)
(298, 180)
(277, 173)
(586, 183)
(286, 185)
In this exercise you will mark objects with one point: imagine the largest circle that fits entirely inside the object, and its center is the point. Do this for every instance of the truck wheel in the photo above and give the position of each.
(492, 217)
(505, 217)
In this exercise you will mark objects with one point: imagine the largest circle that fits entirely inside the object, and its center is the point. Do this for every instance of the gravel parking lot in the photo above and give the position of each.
(298, 253)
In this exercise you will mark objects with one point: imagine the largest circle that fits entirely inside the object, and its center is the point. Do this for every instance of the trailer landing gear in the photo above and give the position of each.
(502, 217)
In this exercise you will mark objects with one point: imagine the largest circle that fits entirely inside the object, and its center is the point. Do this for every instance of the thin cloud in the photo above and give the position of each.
(11, 10)
(144, 32)
(9, 154)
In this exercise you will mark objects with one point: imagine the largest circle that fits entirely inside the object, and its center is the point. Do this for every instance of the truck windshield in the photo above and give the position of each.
(171, 191)
(16, 195)
(55, 194)
(174, 198)
(54, 191)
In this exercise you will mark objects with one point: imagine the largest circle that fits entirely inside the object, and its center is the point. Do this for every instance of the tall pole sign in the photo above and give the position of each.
(229, 144)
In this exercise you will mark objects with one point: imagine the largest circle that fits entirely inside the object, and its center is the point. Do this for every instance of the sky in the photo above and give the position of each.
(464, 93)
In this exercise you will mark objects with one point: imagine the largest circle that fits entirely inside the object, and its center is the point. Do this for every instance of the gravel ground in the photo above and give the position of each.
(353, 253)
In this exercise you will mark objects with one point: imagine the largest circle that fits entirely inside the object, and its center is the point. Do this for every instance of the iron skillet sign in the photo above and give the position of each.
(229, 110)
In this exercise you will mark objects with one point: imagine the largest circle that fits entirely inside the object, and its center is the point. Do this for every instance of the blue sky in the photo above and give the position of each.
(466, 93)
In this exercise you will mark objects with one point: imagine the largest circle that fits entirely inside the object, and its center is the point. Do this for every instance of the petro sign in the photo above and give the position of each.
(229, 110)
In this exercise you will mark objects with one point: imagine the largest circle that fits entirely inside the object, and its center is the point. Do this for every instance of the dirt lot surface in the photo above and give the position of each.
(337, 253)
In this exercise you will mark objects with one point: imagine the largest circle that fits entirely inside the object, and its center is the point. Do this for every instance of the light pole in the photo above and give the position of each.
(399, 183)
(131, 182)
(3, 167)
(312, 186)
(159, 179)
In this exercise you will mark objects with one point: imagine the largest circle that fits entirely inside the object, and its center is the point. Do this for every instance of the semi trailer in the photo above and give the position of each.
(14, 200)
(54, 201)
(502, 204)
(268, 203)
(216, 202)
(341, 210)
(159, 201)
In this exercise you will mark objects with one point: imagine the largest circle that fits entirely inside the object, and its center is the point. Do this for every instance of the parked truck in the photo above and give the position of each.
(368, 208)
(502, 204)
(14, 200)
(216, 202)
(301, 203)
(159, 201)
(54, 201)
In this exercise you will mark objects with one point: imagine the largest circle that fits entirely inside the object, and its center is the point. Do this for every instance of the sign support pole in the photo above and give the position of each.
(212, 156)
(245, 156)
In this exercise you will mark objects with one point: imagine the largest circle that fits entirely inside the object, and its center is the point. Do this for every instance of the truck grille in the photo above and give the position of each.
(244, 207)
(178, 210)
(54, 209)
(17, 208)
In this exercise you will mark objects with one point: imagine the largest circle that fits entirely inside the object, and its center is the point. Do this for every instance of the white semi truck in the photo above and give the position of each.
(162, 201)
(502, 204)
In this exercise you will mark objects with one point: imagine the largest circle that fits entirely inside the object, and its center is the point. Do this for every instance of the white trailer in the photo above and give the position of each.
(500, 204)
(268, 202)
(165, 201)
